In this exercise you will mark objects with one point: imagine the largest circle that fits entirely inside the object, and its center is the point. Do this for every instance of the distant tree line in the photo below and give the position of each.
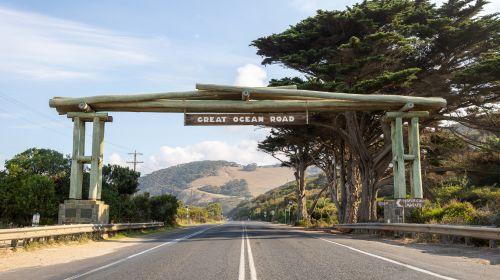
(234, 187)
(212, 212)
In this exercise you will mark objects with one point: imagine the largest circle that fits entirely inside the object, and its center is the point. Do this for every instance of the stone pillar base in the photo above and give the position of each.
(83, 212)
(393, 213)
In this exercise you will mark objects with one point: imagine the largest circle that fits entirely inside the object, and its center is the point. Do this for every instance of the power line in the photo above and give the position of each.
(51, 118)
(23, 105)
(135, 162)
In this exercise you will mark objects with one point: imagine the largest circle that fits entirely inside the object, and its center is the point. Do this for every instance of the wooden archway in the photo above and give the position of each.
(208, 98)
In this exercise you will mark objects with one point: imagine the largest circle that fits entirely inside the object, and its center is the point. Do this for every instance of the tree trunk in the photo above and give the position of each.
(301, 194)
(351, 191)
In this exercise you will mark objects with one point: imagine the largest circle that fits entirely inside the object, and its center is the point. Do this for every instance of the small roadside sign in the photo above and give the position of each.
(410, 202)
(36, 220)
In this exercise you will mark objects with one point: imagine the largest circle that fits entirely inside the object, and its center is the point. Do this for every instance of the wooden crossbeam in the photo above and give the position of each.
(431, 102)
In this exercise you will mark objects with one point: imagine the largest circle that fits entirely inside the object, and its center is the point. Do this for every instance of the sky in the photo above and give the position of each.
(82, 48)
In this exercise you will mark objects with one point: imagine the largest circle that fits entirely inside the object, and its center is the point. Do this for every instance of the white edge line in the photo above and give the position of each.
(241, 271)
(138, 254)
(251, 264)
(389, 260)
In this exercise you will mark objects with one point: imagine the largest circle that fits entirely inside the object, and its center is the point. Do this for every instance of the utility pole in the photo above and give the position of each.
(135, 162)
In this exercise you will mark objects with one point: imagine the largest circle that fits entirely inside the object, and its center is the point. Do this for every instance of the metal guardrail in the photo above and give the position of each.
(488, 233)
(27, 233)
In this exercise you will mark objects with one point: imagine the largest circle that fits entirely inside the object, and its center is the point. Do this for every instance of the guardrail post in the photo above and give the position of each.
(467, 241)
(493, 244)
(13, 243)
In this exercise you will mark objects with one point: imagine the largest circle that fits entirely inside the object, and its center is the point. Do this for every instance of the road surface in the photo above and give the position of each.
(252, 250)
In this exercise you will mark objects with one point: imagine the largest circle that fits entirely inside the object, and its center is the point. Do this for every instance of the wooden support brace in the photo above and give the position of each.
(407, 115)
(84, 159)
(407, 107)
(245, 95)
(85, 107)
(90, 116)
(409, 157)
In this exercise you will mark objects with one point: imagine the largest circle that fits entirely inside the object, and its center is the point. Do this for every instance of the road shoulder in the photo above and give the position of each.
(60, 253)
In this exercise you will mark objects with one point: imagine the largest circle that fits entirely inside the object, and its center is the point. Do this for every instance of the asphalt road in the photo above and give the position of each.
(249, 250)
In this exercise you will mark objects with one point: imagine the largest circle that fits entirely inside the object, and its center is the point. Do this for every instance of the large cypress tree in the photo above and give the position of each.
(398, 47)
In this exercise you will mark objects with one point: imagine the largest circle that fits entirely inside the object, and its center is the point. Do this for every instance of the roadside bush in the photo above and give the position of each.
(482, 217)
(304, 223)
(428, 214)
(458, 213)
(495, 219)
(484, 197)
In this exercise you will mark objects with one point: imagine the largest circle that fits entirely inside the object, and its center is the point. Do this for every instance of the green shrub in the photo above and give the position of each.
(495, 219)
(304, 223)
(484, 197)
(427, 214)
(482, 217)
(458, 213)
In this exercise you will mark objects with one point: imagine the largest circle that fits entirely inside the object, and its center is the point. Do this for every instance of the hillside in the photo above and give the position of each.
(201, 182)
(178, 178)
(276, 201)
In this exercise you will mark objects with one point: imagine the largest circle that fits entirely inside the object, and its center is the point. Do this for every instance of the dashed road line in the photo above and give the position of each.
(241, 271)
(251, 264)
(138, 254)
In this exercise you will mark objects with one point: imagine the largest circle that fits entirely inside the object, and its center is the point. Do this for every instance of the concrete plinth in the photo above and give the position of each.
(83, 212)
(393, 213)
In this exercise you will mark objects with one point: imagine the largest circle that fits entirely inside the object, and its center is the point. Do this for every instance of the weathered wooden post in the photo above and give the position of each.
(91, 210)
(399, 157)
(395, 212)
(97, 159)
(414, 148)
(76, 179)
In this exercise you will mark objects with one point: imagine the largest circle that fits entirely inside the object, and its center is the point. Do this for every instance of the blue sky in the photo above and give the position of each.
(80, 48)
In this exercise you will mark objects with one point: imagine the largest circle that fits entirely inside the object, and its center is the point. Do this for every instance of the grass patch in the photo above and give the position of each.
(60, 240)
(137, 233)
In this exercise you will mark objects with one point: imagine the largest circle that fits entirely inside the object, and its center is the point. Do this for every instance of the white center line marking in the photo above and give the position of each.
(241, 272)
(138, 254)
(253, 272)
(391, 261)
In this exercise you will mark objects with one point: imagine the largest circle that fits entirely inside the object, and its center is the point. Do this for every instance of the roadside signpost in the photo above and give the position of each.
(245, 119)
(410, 202)
(36, 220)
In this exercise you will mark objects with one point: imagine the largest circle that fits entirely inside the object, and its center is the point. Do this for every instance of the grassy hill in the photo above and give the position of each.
(202, 182)
(174, 179)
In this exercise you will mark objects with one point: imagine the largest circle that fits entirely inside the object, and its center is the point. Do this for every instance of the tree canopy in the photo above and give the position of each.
(397, 47)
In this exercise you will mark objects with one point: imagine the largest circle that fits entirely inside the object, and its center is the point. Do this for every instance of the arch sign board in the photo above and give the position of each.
(245, 119)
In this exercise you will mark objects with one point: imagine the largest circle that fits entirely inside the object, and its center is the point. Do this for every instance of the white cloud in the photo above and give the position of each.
(251, 75)
(42, 47)
(8, 116)
(243, 152)
(116, 159)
